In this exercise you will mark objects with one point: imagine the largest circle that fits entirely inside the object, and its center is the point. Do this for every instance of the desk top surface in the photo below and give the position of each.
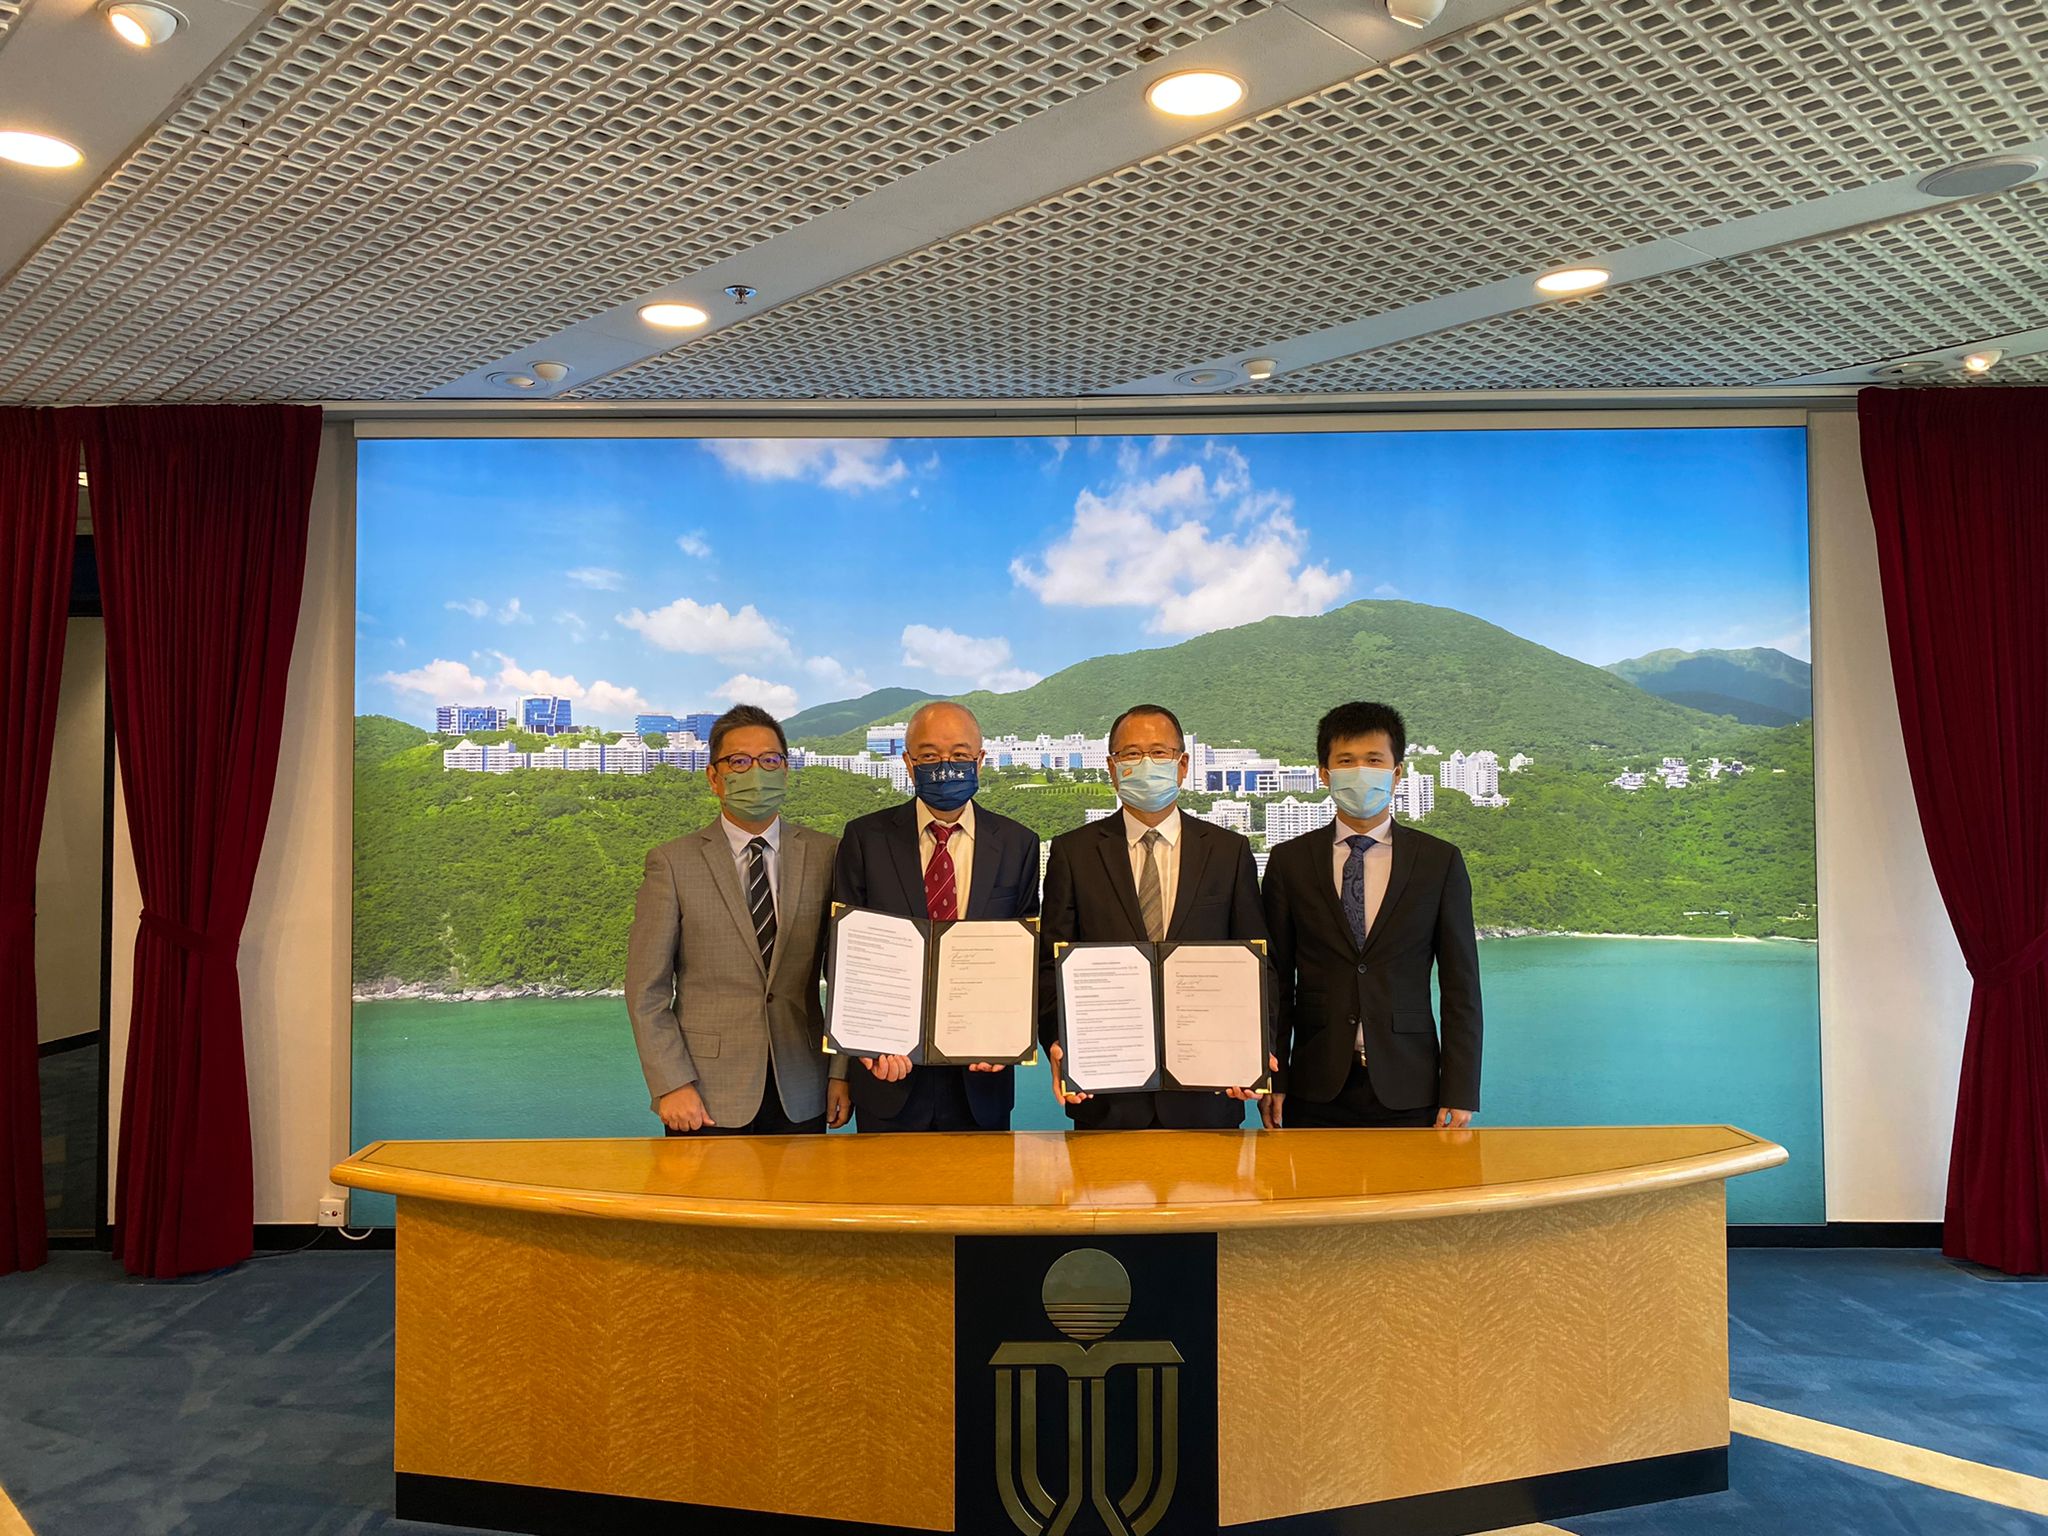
(1051, 1181)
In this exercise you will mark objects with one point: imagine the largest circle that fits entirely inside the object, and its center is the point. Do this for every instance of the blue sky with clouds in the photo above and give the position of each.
(676, 574)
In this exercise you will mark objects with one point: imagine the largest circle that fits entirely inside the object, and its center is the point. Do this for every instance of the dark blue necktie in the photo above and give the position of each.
(1354, 886)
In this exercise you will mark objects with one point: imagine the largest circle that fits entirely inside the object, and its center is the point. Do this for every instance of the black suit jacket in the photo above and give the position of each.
(1091, 898)
(879, 866)
(1327, 984)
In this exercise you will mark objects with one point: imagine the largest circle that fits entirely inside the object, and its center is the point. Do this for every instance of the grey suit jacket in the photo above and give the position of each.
(705, 1010)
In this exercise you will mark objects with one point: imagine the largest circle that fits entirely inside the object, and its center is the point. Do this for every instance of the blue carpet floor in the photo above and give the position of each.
(259, 1401)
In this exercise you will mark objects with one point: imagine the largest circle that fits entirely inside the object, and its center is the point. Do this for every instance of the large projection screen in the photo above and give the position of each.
(1598, 636)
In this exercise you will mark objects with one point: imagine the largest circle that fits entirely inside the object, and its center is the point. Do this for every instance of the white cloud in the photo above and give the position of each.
(1153, 541)
(573, 622)
(512, 613)
(613, 703)
(475, 607)
(982, 660)
(707, 629)
(695, 545)
(596, 576)
(779, 699)
(453, 682)
(519, 680)
(1386, 589)
(445, 682)
(836, 675)
(838, 464)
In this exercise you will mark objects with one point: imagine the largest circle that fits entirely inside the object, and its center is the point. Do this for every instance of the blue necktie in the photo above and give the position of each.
(1354, 886)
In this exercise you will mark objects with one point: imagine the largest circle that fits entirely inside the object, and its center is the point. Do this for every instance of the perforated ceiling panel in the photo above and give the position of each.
(1581, 126)
(1941, 280)
(369, 198)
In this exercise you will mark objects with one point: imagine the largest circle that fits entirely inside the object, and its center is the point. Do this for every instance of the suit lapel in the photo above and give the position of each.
(1116, 859)
(1397, 877)
(795, 872)
(907, 859)
(985, 858)
(725, 875)
(1194, 857)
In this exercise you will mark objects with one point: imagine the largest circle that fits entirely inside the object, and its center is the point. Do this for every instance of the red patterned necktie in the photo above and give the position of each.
(941, 894)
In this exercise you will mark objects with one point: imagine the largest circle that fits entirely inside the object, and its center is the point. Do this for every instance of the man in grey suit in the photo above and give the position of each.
(728, 941)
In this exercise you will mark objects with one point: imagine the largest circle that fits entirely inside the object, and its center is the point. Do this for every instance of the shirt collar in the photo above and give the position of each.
(1383, 833)
(739, 836)
(964, 827)
(1169, 829)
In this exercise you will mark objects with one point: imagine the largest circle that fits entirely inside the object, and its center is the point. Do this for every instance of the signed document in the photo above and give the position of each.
(876, 1001)
(984, 1006)
(1210, 1015)
(1109, 1028)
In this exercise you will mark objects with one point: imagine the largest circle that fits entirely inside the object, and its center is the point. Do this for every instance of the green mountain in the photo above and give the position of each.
(1459, 682)
(1758, 686)
(884, 704)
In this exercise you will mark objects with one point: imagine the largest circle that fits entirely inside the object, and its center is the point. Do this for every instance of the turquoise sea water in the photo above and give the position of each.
(1578, 1032)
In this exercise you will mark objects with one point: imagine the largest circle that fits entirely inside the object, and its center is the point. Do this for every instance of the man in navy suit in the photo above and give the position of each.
(942, 857)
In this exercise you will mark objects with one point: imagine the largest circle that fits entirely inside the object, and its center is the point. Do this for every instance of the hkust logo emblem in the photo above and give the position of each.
(1087, 1294)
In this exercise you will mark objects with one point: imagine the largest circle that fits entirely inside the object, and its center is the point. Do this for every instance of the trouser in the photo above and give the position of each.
(1355, 1105)
(937, 1101)
(769, 1119)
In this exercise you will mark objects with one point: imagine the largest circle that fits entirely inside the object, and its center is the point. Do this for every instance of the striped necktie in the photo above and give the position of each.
(760, 900)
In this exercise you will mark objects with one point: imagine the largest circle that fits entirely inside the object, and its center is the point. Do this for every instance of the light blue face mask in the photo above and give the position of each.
(1362, 793)
(1149, 784)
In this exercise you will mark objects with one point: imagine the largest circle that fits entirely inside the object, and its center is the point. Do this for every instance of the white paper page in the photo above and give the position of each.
(1107, 994)
(1211, 1015)
(877, 992)
(984, 1006)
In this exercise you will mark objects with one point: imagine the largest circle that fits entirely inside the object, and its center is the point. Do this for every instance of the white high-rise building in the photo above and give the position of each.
(1291, 817)
(1414, 796)
(1234, 814)
(1519, 761)
(629, 755)
(1099, 813)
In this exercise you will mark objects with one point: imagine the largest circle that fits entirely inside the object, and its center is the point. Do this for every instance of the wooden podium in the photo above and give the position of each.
(1141, 1333)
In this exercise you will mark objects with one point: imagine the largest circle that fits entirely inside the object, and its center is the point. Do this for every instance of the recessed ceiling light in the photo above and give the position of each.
(1984, 360)
(551, 373)
(1415, 13)
(38, 150)
(1912, 368)
(1195, 93)
(1206, 378)
(1259, 369)
(1985, 177)
(1573, 280)
(673, 317)
(511, 380)
(141, 24)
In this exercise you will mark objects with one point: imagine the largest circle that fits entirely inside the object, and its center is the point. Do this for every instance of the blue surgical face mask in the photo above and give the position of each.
(1148, 784)
(945, 786)
(1362, 793)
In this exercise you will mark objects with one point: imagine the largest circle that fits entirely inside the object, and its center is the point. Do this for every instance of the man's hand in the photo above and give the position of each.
(1269, 1109)
(890, 1069)
(682, 1109)
(1273, 1064)
(1054, 1058)
(838, 1104)
(1453, 1119)
(988, 1066)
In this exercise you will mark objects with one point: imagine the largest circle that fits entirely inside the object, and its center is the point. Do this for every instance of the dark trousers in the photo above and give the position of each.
(769, 1120)
(937, 1102)
(1356, 1105)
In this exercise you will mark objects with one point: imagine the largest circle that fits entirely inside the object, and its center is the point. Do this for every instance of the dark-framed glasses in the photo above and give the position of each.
(740, 762)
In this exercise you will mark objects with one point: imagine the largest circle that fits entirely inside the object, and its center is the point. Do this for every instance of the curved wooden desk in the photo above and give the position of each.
(1313, 1331)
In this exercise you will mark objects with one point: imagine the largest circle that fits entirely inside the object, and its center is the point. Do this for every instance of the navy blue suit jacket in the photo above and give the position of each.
(878, 867)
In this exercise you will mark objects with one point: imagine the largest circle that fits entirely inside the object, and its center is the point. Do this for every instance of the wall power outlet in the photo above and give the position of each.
(332, 1212)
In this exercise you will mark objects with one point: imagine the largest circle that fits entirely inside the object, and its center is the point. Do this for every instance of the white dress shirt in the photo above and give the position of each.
(1169, 856)
(1379, 863)
(960, 845)
(739, 837)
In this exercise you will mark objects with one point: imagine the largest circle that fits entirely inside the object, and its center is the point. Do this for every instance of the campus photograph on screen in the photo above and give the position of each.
(1598, 639)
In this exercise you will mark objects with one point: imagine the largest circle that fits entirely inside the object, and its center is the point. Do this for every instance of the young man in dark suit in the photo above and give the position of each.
(940, 856)
(1359, 915)
(1146, 873)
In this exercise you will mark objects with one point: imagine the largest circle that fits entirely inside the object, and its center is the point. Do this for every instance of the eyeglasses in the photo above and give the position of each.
(933, 755)
(1156, 754)
(740, 762)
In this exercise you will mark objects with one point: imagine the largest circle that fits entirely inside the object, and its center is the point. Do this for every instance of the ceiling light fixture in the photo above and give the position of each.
(512, 380)
(1984, 360)
(38, 150)
(1415, 13)
(1259, 369)
(551, 373)
(1195, 93)
(1983, 178)
(670, 316)
(1206, 378)
(142, 24)
(1570, 280)
(1912, 368)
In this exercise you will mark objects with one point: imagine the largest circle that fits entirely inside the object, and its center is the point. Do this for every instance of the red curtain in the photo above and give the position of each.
(199, 522)
(1959, 494)
(38, 524)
